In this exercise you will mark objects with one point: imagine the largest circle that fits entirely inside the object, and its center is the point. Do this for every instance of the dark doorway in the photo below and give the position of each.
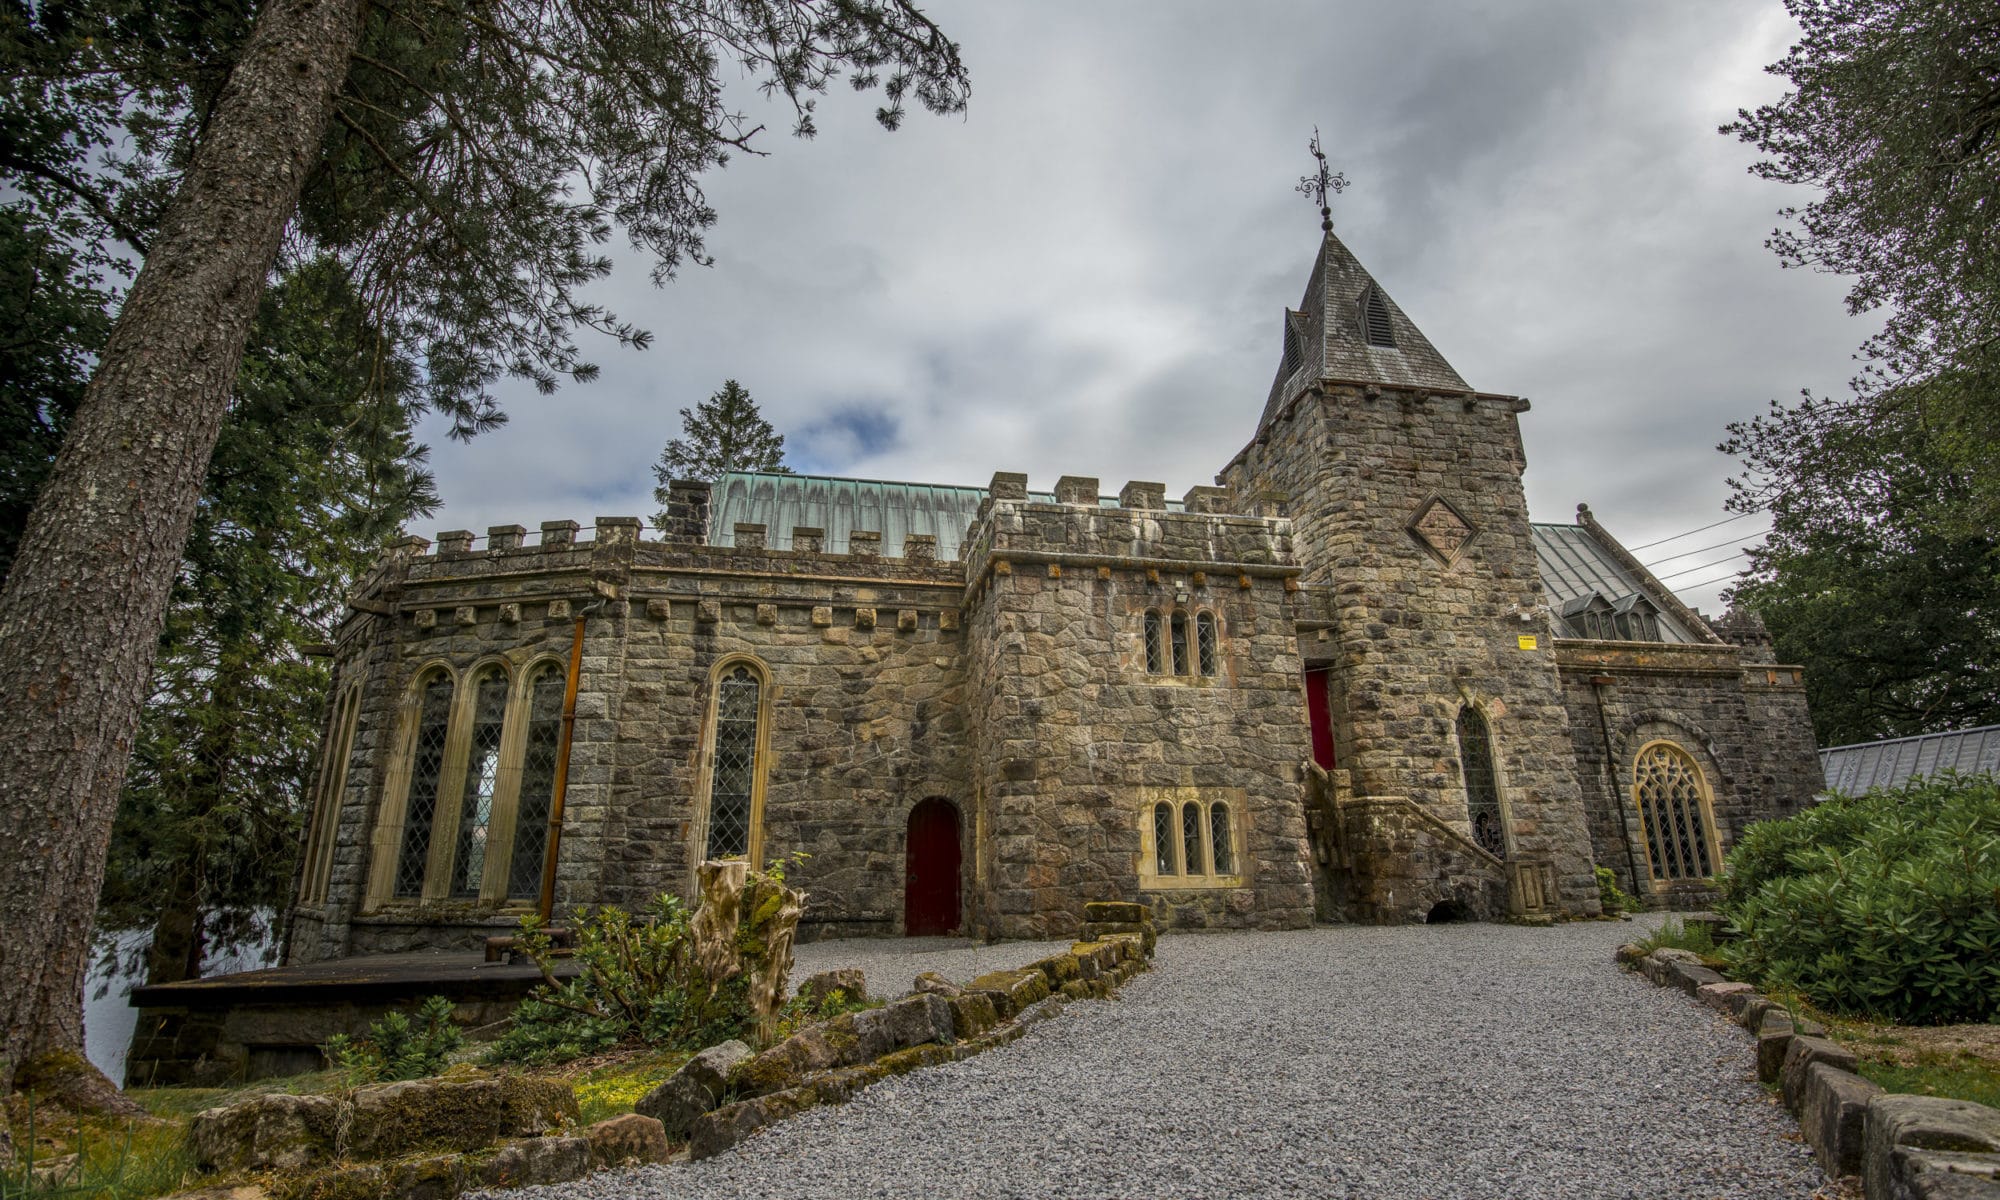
(930, 870)
(1320, 716)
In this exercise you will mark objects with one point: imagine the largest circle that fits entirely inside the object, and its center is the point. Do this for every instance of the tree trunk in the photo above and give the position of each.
(82, 608)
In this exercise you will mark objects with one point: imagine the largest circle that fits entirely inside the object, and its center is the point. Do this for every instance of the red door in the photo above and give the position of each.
(930, 870)
(1320, 716)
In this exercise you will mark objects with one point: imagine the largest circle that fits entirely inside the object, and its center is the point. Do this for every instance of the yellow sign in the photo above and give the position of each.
(1526, 641)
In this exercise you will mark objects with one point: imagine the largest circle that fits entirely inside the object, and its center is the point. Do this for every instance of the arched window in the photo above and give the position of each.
(733, 771)
(1482, 787)
(1191, 855)
(1183, 661)
(426, 771)
(1221, 848)
(1204, 642)
(482, 780)
(538, 782)
(1673, 809)
(332, 786)
(1375, 323)
(1156, 645)
(1163, 839)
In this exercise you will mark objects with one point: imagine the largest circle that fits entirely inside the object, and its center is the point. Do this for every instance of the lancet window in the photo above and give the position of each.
(1482, 783)
(735, 774)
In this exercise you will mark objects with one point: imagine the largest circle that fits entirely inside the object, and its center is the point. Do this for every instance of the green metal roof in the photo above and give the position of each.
(839, 506)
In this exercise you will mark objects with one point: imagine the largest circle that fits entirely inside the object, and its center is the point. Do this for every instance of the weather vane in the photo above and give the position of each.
(1317, 185)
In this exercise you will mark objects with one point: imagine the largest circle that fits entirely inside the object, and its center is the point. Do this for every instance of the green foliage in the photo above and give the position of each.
(1958, 1078)
(639, 981)
(1612, 897)
(1675, 934)
(801, 1011)
(1885, 905)
(723, 433)
(90, 1161)
(398, 1048)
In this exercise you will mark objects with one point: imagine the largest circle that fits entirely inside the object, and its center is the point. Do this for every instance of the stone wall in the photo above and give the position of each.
(1412, 524)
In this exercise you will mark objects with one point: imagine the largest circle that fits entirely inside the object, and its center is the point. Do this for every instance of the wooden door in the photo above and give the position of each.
(930, 870)
(1320, 716)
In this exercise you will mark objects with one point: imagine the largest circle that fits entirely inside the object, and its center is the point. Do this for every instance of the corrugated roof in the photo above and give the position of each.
(1575, 565)
(1852, 770)
(839, 506)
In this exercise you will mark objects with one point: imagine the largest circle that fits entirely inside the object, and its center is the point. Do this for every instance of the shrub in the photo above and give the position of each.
(1885, 905)
(1676, 934)
(396, 1048)
(1610, 896)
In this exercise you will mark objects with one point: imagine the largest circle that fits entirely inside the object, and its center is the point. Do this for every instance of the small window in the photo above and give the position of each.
(1183, 661)
(1156, 655)
(1220, 846)
(1163, 839)
(426, 771)
(1191, 838)
(1204, 640)
(1482, 786)
(733, 773)
(538, 780)
(1375, 323)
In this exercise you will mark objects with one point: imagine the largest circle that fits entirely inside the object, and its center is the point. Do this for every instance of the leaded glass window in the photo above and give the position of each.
(1482, 787)
(1156, 656)
(1191, 838)
(482, 778)
(1204, 641)
(538, 782)
(1669, 789)
(1221, 848)
(1183, 661)
(1163, 839)
(733, 781)
(426, 768)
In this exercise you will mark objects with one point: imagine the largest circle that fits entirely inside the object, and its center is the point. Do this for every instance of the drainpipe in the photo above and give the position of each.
(554, 839)
(1597, 685)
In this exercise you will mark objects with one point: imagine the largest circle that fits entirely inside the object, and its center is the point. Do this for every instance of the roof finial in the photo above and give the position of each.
(1317, 185)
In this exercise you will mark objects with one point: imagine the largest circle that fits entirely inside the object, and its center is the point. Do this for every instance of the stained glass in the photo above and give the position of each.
(482, 776)
(1219, 841)
(1670, 811)
(1482, 788)
(426, 765)
(735, 769)
(538, 782)
(1163, 839)
(1204, 636)
(1191, 837)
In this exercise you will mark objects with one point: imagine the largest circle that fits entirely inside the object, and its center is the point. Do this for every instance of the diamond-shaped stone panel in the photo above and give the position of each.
(1438, 525)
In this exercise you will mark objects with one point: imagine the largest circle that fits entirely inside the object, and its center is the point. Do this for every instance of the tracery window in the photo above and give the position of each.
(538, 778)
(1673, 803)
(1204, 638)
(1482, 784)
(1156, 644)
(482, 781)
(426, 773)
(734, 774)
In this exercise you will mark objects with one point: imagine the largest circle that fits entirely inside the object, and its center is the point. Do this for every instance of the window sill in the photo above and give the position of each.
(1191, 883)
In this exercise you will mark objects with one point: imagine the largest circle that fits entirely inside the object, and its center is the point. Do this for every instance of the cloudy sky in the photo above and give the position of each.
(1086, 273)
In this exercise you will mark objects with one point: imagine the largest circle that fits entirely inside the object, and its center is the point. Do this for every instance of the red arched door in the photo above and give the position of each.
(930, 870)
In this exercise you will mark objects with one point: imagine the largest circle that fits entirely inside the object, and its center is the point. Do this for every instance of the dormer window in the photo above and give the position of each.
(1375, 324)
(1631, 618)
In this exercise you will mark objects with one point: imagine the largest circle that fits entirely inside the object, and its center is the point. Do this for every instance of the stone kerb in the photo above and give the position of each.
(1902, 1147)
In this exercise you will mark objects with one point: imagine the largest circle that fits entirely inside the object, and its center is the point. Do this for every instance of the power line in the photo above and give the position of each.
(1708, 582)
(1700, 566)
(1702, 550)
(1663, 541)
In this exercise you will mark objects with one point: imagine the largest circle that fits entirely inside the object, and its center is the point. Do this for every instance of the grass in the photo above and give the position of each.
(95, 1160)
(1676, 934)
(1960, 1078)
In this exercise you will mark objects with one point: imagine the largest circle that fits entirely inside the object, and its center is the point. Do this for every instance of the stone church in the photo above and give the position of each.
(1352, 681)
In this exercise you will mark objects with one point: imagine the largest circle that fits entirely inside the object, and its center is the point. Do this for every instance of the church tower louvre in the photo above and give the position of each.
(1437, 710)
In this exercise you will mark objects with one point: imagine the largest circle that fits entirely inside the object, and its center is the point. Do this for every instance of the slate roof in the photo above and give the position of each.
(839, 506)
(1852, 770)
(1575, 564)
(1333, 345)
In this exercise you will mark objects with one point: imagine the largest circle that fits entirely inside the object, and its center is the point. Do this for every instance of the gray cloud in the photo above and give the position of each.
(1086, 273)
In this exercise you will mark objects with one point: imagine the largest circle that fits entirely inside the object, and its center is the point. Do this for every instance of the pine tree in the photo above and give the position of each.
(721, 434)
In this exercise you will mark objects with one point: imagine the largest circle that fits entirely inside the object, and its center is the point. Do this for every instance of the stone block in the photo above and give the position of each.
(864, 618)
(972, 1013)
(1206, 499)
(1011, 991)
(285, 1133)
(536, 1161)
(558, 610)
(1060, 969)
(466, 614)
(935, 984)
(807, 539)
(920, 547)
(510, 614)
(787, 1064)
(694, 1090)
(1008, 485)
(659, 608)
(1772, 1042)
(1143, 494)
(1800, 1055)
(1077, 489)
(1628, 955)
(631, 1138)
(455, 541)
(731, 1123)
(1908, 1138)
(906, 620)
(918, 1019)
(708, 611)
(865, 543)
(1718, 995)
(1116, 911)
(1755, 1005)
(1833, 1114)
(618, 531)
(557, 534)
(822, 616)
(749, 536)
(426, 618)
(767, 614)
(848, 981)
(395, 1118)
(505, 537)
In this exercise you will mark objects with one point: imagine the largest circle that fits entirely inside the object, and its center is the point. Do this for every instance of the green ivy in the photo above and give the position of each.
(1885, 905)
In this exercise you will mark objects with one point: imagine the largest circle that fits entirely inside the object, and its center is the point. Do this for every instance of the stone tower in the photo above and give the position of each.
(1404, 488)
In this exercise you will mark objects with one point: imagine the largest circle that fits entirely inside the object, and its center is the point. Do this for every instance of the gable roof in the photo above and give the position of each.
(838, 506)
(1576, 566)
(1333, 337)
(1852, 770)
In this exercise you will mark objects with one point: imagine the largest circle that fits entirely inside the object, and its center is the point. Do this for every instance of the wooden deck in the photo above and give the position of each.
(369, 979)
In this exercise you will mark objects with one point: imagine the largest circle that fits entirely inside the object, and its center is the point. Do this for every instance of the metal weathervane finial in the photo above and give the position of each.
(1317, 185)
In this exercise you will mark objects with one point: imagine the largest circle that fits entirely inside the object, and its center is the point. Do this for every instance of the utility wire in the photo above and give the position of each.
(1700, 566)
(1703, 550)
(1693, 587)
(1663, 541)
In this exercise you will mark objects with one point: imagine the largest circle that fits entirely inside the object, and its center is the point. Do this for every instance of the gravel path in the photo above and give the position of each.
(892, 964)
(1440, 1061)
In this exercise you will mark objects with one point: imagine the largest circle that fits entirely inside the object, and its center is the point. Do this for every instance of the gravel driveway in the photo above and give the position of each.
(1434, 1061)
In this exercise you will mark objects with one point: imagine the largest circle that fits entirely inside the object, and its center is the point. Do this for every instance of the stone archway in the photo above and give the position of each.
(931, 874)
